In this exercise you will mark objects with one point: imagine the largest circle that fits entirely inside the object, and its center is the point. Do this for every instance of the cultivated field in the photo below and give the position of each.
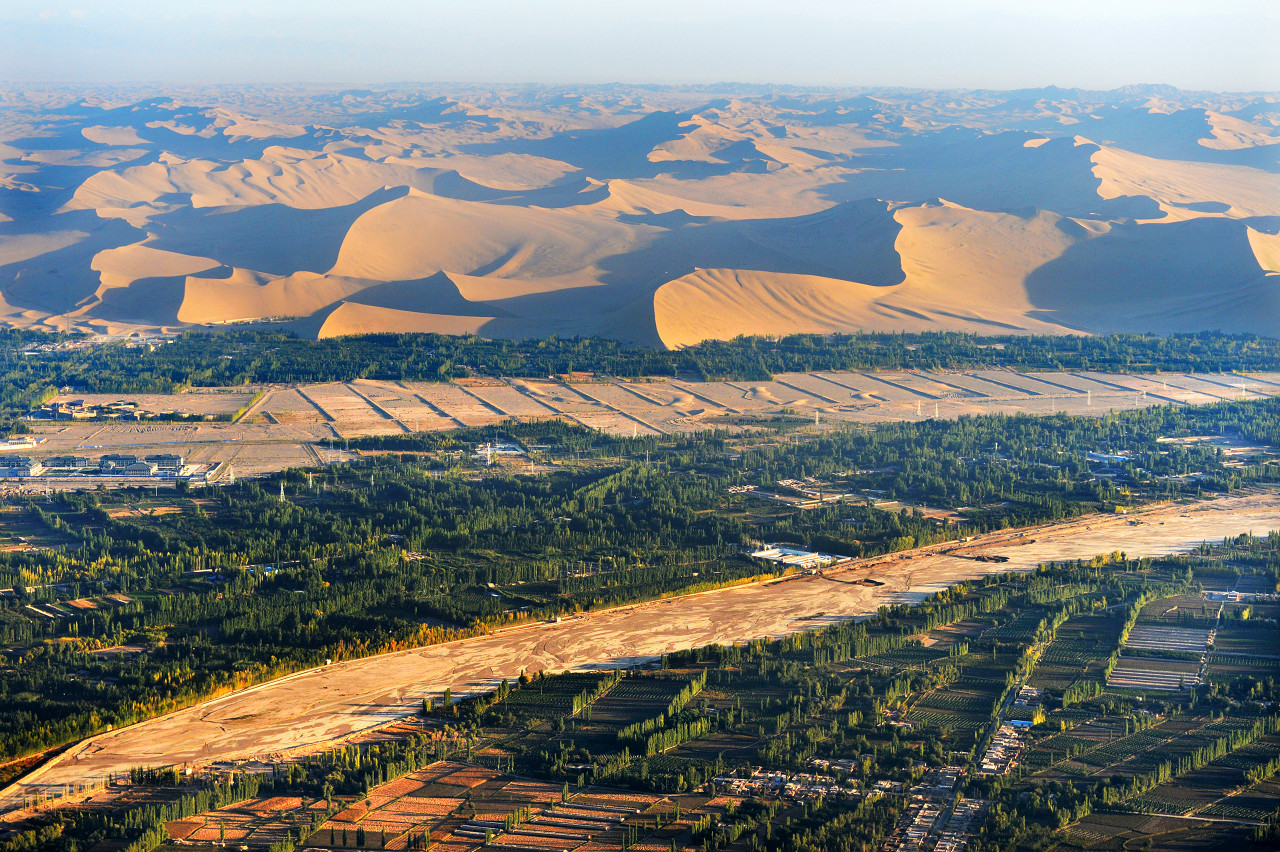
(455, 804)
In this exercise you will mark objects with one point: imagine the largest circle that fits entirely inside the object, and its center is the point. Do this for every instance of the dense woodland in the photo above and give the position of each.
(249, 357)
(832, 693)
(409, 547)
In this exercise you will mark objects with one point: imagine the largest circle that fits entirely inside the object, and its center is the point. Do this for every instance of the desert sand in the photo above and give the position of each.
(656, 217)
(312, 709)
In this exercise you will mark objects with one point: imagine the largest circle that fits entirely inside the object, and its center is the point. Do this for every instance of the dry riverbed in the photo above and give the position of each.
(311, 709)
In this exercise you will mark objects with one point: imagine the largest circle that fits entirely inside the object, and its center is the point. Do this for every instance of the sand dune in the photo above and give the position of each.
(293, 178)
(725, 303)
(959, 269)
(350, 318)
(1186, 190)
(245, 295)
(948, 250)
(419, 234)
(1266, 249)
(654, 217)
(113, 135)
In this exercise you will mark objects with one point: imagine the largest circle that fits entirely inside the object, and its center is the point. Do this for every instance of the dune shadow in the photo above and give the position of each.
(272, 238)
(57, 281)
(995, 172)
(1119, 280)
(435, 294)
(1173, 136)
(155, 300)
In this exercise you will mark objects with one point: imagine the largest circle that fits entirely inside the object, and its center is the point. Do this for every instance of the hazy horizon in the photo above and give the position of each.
(970, 44)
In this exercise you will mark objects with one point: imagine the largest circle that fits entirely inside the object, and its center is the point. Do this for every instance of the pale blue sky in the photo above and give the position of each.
(1223, 44)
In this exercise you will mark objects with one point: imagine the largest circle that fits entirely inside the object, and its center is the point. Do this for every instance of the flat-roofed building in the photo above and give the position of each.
(166, 461)
(66, 462)
(116, 462)
(20, 466)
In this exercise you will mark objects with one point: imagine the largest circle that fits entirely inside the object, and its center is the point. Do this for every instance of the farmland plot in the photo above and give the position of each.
(1162, 675)
(350, 413)
(455, 403)
(1159, 638)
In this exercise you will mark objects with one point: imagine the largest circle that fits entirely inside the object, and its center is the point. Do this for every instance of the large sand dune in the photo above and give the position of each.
(655, 217)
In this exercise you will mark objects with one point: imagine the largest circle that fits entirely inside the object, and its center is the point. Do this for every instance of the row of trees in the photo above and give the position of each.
(233, 358)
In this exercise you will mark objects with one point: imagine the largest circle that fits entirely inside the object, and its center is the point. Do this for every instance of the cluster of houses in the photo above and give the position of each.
(1005, 749)
(78, 409)
(1027, 702)
(79, 341)
(799, 787)
(926, 822)
(915, 826)
(966, 819)
(937, 783)
(112, 464)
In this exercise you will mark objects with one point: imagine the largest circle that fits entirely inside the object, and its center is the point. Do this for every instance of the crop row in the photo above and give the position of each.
(1231, 810)
(905, 657)
(1124, 748)
(957, 703)
(1156, 804)
(941, 719)
(549, 698)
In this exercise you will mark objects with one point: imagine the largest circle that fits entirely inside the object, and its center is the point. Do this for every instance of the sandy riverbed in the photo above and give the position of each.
(312, 708)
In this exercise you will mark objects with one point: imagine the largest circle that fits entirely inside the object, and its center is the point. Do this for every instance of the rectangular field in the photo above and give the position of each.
(511, 402)
(1161, 638)
(350, 413)
(455, 403)
(895, 387)
(1162, 675)
(405, 406)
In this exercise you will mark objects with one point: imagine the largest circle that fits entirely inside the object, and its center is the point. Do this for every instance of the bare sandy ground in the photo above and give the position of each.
(249, 448)
(305, 711)
(308, 425)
